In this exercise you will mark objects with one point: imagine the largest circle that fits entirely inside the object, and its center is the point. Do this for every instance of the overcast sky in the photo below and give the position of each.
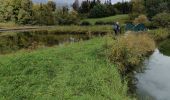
(68, 2)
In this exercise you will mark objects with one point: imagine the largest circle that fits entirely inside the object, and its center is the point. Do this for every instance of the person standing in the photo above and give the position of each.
(116, 28)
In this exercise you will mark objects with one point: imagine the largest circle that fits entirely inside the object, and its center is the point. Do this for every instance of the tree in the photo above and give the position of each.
(154, 7)
(43, 15)
(14, 10)
(138, 8)
(85, 7)
(98, 11)
(76, 5)
(51, 5)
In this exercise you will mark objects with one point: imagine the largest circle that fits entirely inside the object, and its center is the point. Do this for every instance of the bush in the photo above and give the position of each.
(100, 23)
(140, 19)
(162, 20)
(128, 51)
(104, 23)
(85, 23)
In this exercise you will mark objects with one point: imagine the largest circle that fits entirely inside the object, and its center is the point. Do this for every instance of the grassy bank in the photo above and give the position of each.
(73, 71)
(164, 47)
(120, 18)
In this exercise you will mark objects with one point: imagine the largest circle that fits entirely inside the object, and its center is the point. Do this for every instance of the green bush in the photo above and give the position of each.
(162, 20)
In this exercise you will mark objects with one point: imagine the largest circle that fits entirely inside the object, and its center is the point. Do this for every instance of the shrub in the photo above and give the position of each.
(100, 23)
(85, 23)
(104, 23)
(128, 51)
(140, 19)
(162, 20)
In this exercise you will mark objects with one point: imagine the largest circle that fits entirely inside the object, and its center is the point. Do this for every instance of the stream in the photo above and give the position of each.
(154, 82)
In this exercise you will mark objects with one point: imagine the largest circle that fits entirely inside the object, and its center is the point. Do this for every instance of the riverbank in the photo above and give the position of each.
(97, 68)
(74, 71)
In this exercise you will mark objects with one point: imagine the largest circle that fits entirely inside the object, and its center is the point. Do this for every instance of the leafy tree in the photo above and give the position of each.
(85, 7)
(43, 15)
(76, 5)
(51, 5)
(156, 6)
(98, 11)
(137, 8)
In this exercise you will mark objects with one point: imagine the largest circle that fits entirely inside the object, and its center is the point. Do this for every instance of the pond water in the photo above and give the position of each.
(154, 82)
(31, 40)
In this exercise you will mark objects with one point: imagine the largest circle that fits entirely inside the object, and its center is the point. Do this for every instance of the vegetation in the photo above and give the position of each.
(128, 51)
(162, 20)
(159, 34)
(73, 71)
(164, 47)
(119, 18)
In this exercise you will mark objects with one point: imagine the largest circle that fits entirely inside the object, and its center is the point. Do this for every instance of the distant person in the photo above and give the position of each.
(116, 28)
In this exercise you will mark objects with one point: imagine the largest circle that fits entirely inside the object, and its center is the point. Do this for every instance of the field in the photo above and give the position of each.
(120, 18)
(74, 71)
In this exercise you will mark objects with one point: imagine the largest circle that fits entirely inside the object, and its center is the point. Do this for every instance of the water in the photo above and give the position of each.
(32, 39)
(154, 83)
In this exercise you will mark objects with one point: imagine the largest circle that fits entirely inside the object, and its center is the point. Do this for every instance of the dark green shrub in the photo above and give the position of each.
(85, 23)
(100, 23)
(99, 11)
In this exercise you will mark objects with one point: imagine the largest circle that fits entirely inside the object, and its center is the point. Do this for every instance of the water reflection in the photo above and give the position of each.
(154, 84)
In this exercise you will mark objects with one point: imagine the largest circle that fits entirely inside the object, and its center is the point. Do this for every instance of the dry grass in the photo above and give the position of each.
(129, 50)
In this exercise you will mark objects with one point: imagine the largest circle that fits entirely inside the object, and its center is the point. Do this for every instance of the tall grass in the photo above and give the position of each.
(159, 34)
(129, 50)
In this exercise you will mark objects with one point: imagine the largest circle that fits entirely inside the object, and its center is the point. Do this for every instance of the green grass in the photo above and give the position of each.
(164, 47)
(119, 18)
(74, 72)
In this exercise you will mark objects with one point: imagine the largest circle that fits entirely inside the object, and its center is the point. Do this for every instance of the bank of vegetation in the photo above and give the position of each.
(75, 71)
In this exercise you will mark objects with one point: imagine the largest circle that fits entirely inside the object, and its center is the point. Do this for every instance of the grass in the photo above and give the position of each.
(120, 18)
(159, 34)
(164, 47)
(74, 72)
(8, 25)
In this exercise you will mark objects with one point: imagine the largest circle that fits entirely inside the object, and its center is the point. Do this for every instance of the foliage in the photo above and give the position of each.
(85, 23)
(68, 18)
(140, 19)
(129, 50)
(64, 72)
(18, 11)
(137, 8)
(43, 14)
(159, 34)
(157, 6)
(123, 7)
(162, 20)
(164, 47)
(99, 11)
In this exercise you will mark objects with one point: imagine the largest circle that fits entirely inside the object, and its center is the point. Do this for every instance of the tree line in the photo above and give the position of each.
(26, 12)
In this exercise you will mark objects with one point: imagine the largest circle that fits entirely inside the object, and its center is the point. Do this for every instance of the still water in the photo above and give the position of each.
(154, 83)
